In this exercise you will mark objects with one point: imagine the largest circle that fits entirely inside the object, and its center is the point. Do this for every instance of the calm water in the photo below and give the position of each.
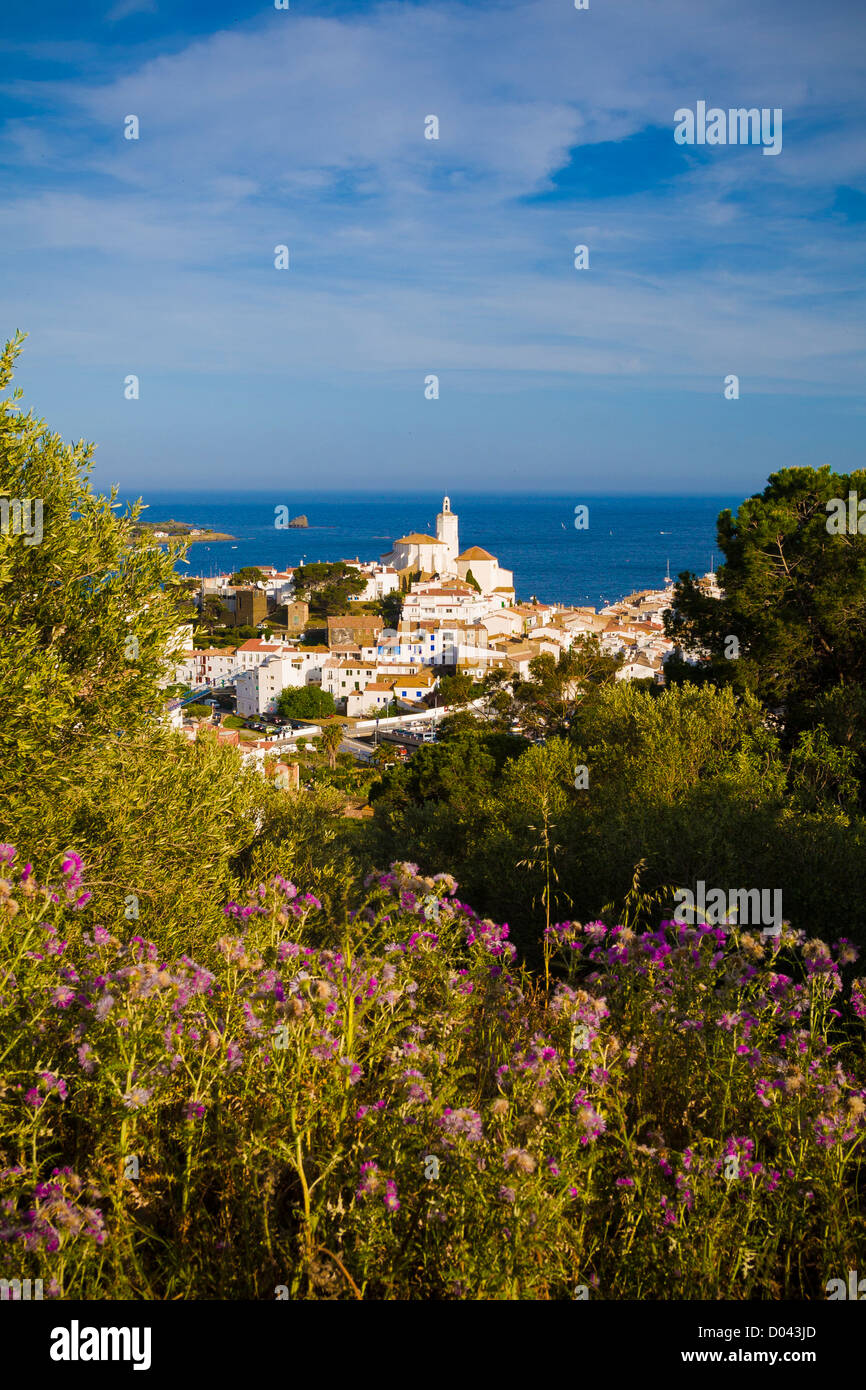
(627, 545)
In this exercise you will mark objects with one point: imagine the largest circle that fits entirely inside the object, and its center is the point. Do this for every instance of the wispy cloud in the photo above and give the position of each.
(124, 8)
(453, 254)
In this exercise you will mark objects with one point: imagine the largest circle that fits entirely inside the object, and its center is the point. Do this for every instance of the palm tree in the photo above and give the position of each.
(332, 737)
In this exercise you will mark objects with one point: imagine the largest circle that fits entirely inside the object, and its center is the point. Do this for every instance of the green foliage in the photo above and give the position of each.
(794, 594)
(153, 815)
(548, 703)
(327, 587)
(249, 574)
(330, 740)
(213, 613)
(390, 608)
(87, 613)
(693, 780)
(457, 690)
(198, 711)
(305, 702)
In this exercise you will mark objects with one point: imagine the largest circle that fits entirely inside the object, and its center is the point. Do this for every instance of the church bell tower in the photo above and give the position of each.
(446, 533)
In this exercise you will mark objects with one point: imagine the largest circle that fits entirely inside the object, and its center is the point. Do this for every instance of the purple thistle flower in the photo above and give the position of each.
(140, 1095)
(463, 1121)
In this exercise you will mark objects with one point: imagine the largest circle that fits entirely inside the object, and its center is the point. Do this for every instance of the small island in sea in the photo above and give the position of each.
(179, 530)
(299, 521)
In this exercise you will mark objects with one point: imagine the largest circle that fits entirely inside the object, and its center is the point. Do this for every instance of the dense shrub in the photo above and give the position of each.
(378, 1103)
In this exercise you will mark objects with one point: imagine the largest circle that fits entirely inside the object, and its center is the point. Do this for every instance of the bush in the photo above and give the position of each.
(374, 1102)
(306, 702)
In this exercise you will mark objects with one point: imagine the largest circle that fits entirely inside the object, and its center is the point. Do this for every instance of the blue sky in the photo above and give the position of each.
(454, 257)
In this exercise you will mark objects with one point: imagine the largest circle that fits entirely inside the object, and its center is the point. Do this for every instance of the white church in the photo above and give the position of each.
(439, 556)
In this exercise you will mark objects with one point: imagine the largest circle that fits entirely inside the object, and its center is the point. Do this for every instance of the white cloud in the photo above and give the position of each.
(124, 8)
(407, 251)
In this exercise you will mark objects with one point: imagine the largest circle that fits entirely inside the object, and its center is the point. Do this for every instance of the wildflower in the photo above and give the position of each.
(499, 1106)
(138, 1096)
(193, 1110)
(462, 1121)
(104, 1007)
(518, 1161)
(390, 1200)
(589, 1120)
(625, 1182)
(507, 1194)
(369, 1180)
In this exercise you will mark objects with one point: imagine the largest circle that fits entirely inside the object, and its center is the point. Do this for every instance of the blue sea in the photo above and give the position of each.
(628, 544)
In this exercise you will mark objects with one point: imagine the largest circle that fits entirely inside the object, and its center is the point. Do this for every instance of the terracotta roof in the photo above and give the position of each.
(206, 651)
(476, 553)
(360, 620)
(255, 644)
(417, 538)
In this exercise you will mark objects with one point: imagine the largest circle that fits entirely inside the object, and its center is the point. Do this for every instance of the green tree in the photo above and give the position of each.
(305, 702)
(456, 690)
(329, 742)
(390, 609)
(87, 612)
(794, 594)
(212, 612)
(250, 574)
(547, 702)
(327, 587)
